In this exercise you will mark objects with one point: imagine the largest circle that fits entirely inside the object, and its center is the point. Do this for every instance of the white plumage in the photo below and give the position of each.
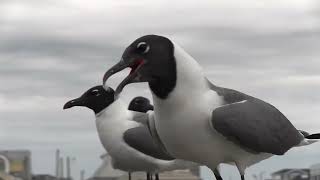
(111, 123)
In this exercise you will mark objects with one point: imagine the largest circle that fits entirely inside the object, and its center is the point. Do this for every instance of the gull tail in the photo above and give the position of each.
(309, 138)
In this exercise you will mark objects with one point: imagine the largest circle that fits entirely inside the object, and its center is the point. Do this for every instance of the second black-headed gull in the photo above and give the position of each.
(128, 142)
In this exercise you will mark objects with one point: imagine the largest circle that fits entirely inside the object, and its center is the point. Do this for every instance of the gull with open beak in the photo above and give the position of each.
(199, 121)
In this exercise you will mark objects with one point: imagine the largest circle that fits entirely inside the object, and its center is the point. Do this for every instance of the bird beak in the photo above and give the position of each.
(74, 102)
(134, 64)
(116, 68)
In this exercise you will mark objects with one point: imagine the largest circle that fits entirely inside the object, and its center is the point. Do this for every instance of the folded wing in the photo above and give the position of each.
(256, 126)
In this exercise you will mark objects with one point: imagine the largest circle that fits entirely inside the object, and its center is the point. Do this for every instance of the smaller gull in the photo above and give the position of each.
(125, 135)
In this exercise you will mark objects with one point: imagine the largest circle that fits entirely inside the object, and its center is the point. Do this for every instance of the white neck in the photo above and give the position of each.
(190, 76)
(112, 120)
(111, 123)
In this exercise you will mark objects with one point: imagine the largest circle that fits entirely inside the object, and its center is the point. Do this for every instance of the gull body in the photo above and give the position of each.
(191, 112)
(199, 121)
(127, 141)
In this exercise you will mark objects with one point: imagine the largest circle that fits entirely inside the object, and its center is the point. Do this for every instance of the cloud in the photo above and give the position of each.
(52, 51)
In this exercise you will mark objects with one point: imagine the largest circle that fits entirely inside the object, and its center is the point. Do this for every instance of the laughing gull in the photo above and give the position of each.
(128, 142)
(142, 104)
(202, 122)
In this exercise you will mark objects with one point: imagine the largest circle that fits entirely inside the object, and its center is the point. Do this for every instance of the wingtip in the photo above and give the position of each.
(313, 136)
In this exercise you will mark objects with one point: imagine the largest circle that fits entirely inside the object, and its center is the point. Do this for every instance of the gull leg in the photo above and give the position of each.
(241, 170)
(217, 174)
(149, 177)
(157, 176)
(129, 174)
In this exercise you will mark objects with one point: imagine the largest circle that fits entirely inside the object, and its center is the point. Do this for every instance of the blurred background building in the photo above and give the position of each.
(106, 172)
(15, 164)
(291, 174)
(315, 172)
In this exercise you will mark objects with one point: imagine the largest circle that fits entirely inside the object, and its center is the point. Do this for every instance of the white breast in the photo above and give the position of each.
(111, 123)
(183, 118)
(185, 128)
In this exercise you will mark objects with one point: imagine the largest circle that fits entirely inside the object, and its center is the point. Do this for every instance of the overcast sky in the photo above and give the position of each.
(52, 51)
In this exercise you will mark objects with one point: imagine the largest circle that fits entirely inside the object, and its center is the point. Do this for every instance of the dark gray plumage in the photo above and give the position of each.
(153, 131)
(229, 95)
(256, 125)
(133, 138)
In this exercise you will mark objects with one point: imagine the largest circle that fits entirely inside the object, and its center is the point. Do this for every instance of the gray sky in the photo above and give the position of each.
(52, 51)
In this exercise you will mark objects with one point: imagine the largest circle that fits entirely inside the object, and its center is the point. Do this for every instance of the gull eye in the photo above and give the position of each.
(143, 47)
(95, 92)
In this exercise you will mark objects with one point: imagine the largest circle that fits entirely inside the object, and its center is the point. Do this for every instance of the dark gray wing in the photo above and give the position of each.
(256, 126)
(140, 139)
(155, 136)
(229, 95)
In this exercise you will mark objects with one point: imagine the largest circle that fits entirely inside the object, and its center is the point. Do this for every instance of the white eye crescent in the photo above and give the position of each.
(95, 92)
(143, 47)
